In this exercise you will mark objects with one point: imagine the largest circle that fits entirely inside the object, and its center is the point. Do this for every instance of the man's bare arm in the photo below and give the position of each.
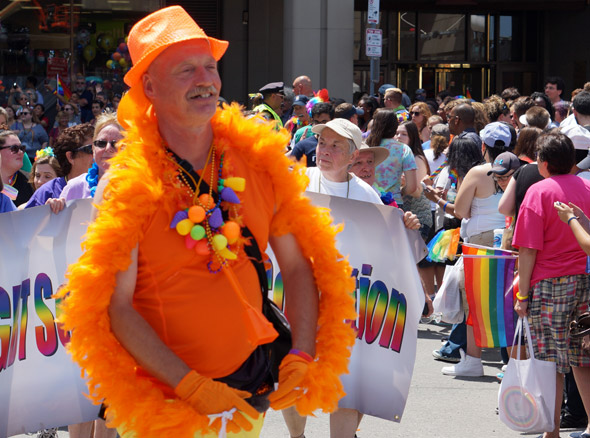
(300, 289)
(137, 336)
(131, 329)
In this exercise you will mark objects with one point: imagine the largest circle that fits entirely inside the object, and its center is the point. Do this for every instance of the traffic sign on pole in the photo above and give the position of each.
(374, 40)
(373, 12)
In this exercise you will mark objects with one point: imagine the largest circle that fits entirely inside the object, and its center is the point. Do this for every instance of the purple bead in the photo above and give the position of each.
(228, 195)
(178, 216)
(216, 219)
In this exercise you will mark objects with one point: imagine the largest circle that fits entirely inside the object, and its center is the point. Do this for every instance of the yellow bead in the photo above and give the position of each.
(227, 254)
(184, 227)
(235, 182)
(219, 241)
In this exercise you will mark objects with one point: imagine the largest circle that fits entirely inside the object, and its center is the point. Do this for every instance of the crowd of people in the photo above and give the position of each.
(511, 162)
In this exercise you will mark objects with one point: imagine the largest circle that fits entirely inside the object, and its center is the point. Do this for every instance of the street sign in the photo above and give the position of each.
(373, 12)
(374, 39)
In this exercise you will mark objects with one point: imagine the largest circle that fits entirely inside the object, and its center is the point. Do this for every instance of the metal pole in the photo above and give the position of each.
(374, 66)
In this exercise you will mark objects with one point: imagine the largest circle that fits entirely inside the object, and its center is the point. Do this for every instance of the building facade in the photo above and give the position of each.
(468, 47)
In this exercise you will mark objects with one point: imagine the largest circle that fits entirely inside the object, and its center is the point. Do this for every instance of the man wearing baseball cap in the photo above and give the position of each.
(173, 337)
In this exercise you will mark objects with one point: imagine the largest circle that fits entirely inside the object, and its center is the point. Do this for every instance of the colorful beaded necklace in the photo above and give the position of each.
(202, 225)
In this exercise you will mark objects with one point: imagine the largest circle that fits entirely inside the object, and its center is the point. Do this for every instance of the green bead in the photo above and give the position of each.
(197, 232)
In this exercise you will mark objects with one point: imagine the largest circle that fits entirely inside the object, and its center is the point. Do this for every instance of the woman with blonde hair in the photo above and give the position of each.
(420, 113)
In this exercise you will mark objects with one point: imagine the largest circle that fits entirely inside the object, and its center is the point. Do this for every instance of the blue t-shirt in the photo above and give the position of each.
(51, 189)
(6, 205)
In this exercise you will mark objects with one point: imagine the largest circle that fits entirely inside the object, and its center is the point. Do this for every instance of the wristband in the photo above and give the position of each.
(519, 297)
(301, 354)
(445, 206)
(572, 218)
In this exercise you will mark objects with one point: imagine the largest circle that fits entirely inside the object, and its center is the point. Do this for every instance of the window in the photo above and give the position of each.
(441, 37)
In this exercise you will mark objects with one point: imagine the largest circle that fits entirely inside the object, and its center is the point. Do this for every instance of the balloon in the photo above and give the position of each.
(107, 43)
(116, 56)
(123, 62)
(89, 53)
(99, 42)
(123, 47)
(110, 63)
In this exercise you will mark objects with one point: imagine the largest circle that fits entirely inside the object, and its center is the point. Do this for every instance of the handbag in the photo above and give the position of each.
(447, 301)
(526, 400)
(580, 327)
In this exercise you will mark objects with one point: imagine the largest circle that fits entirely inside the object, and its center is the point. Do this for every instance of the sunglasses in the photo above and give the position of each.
(103, 143)
(15, 148)
(68, 109)
(415, 113)
(24, 113)
(87, 149)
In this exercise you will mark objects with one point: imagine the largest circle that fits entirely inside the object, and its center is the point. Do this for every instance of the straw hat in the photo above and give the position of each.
(158, 31)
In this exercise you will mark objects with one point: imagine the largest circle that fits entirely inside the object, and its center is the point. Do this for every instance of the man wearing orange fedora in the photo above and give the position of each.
(165, 305)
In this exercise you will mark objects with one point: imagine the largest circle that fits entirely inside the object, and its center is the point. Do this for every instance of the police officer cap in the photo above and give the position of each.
(273, 87)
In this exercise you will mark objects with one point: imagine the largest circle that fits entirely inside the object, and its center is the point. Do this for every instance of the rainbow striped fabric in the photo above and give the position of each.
(489, 276)
(62, 89)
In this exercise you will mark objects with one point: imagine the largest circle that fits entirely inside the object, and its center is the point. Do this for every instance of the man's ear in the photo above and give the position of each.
(148, 86)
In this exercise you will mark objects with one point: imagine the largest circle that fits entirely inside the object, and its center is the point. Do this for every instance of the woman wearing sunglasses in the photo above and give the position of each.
(15, 181)
(73, 151)
(420, 114)
(30, 134)
(107, 133)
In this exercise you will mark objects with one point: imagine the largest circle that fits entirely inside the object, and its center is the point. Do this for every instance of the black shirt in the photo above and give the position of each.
(525, 176)
(306, 147)
(25, 191)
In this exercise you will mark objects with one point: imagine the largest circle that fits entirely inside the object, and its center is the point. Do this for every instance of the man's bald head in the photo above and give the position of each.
(302, 85)
(466, 113)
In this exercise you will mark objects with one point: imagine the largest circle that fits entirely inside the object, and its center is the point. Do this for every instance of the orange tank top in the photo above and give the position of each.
(196, 313)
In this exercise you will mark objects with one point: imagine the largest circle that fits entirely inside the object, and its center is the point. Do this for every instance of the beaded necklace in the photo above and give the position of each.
(202, 225)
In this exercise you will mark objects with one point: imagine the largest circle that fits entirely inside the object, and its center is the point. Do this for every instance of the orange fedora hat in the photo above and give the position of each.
(155, 33)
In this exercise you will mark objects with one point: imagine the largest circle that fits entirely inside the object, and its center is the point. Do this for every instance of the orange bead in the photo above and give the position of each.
(196, 214)
(201, 247)
(231, 230)
(207, 201)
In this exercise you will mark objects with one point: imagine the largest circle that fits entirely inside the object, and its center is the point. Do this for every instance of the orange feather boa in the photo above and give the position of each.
(135, 189)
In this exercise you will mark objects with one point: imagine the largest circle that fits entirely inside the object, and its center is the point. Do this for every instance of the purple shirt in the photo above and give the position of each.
(76, 188)
(6, 205)
(51, 189)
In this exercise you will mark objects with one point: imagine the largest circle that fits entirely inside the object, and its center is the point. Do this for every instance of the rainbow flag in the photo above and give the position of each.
(10, 191)
(62, 89)
(489, 276)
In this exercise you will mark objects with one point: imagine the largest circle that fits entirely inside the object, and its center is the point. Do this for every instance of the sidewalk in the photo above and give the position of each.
(438, 406)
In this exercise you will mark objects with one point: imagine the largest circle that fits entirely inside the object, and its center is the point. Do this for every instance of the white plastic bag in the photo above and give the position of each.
(526, 400)
(447, 301)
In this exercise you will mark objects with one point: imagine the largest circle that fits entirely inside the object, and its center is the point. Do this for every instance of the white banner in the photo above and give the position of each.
(389, 301)
(40, 387)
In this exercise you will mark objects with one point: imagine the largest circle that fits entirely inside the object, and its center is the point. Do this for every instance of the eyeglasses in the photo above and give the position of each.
(503, 177)
(15, 148)
(103, 143)
(87, 149)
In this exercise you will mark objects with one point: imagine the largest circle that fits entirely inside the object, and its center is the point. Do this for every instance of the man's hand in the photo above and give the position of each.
(411, 221)
(521, 308)
(207, 396)
(291, 373)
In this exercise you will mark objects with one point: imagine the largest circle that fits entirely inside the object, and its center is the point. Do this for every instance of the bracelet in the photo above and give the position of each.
(572, 218)
(301, 354)
(445, 206)
(519, 297)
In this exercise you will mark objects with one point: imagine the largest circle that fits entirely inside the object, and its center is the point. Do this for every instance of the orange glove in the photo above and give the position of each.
(207, 396)
(291, 373)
